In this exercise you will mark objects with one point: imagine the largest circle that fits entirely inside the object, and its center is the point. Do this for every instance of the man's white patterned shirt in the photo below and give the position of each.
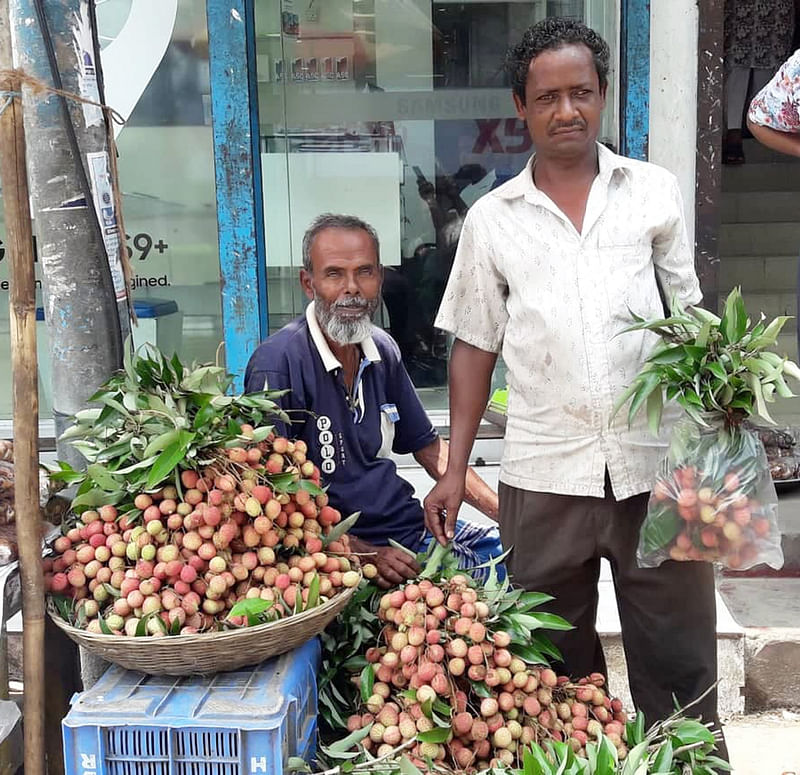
(525, 283)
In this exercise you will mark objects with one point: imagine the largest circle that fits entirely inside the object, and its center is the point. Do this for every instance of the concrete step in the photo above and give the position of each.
(758, 239)
(781, 176)
(759, 273)
(789, 524)
(768, 610)
(772, 302)
(730, 651)
(760, 177)
(760, 206)
(756, 153)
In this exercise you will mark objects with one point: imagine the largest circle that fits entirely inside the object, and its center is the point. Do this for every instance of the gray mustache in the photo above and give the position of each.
(360, 303)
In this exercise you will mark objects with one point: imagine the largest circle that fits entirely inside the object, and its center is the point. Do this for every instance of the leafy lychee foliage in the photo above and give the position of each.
(152, 416)
(676, 746)
(708, 364)
(345, 641)
(447, 719)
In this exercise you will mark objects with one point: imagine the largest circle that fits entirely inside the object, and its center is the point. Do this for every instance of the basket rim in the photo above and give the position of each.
(219, 636)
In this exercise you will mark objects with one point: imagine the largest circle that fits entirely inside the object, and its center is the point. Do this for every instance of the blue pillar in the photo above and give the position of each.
(634, 78)
(234, 108)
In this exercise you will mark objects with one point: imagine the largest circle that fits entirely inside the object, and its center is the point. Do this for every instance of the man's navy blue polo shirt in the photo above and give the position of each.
(350, 437)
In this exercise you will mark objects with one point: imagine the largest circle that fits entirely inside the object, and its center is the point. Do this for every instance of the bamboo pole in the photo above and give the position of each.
(25, 375)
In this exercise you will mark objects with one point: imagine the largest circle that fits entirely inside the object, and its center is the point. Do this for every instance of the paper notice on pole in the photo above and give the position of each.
(105, 207)
(83, 45)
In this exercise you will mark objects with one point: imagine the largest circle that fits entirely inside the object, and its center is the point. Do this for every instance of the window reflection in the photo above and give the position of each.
(397, 111)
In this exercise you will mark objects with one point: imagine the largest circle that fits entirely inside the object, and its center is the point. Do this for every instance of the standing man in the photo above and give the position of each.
(352, 402)
(548, 269)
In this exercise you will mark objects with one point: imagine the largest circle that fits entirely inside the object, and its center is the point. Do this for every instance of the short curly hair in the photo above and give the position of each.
(549, 34)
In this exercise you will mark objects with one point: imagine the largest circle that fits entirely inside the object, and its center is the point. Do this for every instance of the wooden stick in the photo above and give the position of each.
(25, 375)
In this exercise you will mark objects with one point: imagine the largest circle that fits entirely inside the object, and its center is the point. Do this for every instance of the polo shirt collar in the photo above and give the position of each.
(329, 360)
(523, 186)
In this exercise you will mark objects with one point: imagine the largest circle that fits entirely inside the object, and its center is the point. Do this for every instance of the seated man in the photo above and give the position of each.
(358, 404)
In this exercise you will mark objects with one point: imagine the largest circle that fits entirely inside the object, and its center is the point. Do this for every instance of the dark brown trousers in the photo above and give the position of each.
(668, 614)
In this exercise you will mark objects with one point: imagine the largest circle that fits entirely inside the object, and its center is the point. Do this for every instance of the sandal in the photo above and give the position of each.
(732, 150)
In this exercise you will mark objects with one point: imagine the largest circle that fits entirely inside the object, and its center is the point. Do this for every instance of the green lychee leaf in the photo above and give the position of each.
(529, 654)
(637, 756)
(311, 487)
(437, 735)
(339, 530)
(407, 767)
(169, 458)
(442, 708)
(367, 682)
(606, 757)
(341, 748)
(104, 628)
(659, 530)
(427, 708)
(259, 434)
(663, 759)
(531, 600)
(313, 593)
(546, 646)
(690, 731)
(251, 606)
(535, 762)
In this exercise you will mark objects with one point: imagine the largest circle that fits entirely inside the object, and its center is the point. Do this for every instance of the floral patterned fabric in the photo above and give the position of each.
(758, 33)
(777, 105)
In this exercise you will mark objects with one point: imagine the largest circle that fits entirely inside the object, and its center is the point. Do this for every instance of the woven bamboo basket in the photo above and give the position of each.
(210, 652)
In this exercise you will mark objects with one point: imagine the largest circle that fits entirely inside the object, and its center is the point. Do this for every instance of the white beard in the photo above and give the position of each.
(344, 330)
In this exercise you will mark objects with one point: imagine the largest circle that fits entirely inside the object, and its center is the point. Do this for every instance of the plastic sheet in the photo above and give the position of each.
(713, 500)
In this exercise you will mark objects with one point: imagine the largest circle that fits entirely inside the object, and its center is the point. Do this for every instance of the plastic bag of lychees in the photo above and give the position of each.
(713, 500)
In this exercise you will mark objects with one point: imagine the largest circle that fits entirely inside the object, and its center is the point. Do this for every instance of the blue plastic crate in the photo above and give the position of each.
(247, 722)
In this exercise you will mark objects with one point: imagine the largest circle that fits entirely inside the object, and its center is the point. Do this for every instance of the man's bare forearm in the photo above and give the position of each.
(479, 495)
(470, 378)
(433, 458)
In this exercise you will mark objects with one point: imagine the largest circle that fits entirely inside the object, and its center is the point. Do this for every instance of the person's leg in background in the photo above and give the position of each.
(761, 77)
(736, 85)
(668, 616)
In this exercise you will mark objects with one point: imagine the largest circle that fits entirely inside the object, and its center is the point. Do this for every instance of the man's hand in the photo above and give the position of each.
(441, 507)
(394, 565)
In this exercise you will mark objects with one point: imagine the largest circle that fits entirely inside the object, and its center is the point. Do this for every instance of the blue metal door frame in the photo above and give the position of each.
(634, 80)
(234, 106)
(237, 166)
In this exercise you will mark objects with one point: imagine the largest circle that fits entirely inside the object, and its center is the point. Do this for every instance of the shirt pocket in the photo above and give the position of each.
(630, 248)
(389, 416)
